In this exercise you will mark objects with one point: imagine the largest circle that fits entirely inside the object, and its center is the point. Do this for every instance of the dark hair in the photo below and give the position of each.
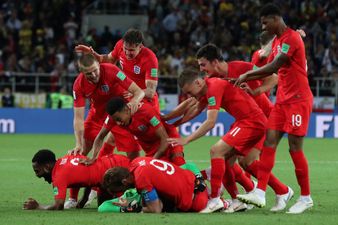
(115, 104)
(187, 76)
(44, 156)
(270, 9)
(133, 36)
(210, 52)
(87, 59)
(265, 37)
(113, 177)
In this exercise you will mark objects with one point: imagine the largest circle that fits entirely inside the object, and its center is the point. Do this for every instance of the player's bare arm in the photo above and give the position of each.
(180, 109)
(206, 126)
(191, 112)
(105, 58)
(163, 135)
(138, 95)
(153, 207)
(78, 123)
(266, 70)
(32, 204)
(268, 83)
(150, 90)
(96, 147)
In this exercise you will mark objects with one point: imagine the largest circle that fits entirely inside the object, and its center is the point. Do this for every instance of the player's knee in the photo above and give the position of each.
(215, 152)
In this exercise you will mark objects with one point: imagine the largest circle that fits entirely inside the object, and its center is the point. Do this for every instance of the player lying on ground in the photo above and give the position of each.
(162, 185)
(67, 172)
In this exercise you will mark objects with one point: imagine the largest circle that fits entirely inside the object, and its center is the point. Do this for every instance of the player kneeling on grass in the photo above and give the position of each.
(67, 172)
(162, 185)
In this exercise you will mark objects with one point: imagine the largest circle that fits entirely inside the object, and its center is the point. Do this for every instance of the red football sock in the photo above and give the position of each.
(266, 163)
(73, 193)
(217, 173)
(302, 171)
(248, 175)
(242, 179)
(229, 181)
(278, 187)
(178, 160)
(106, 150)
(204, 174)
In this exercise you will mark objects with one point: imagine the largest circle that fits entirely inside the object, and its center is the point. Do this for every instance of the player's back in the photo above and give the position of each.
(239, 104)
(172, 183)
(145, 122)
(76, 174)
(237, 68)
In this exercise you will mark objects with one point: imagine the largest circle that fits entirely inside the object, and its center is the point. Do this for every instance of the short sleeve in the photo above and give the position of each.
(289, 44)
(79, 99)
(151, 67)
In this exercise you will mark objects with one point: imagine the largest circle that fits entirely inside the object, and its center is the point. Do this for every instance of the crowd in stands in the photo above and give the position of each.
(39, 36)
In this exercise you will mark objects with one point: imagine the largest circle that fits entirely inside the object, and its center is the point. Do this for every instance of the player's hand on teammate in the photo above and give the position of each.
(177, 141)
(301, 32)
(127, 95)
(84, 49)
(246, 88)
(242, 78)
(30, 204)
(87, 162)
(127, 206)
(75, 151)
(133, 107)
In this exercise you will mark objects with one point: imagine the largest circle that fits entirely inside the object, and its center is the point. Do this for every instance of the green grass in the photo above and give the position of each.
(18, 182)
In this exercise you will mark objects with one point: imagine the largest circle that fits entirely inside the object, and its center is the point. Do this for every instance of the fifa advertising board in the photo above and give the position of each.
(60, 121)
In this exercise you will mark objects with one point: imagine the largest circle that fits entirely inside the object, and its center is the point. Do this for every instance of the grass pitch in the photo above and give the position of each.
(18, 182)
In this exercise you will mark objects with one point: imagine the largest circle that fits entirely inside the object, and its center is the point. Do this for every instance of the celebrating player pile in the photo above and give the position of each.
(163, 181)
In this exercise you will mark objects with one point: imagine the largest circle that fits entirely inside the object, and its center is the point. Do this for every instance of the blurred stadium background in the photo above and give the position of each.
(37, 39)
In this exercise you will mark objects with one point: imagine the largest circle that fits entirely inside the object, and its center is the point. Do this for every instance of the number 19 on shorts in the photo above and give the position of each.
(296, 120)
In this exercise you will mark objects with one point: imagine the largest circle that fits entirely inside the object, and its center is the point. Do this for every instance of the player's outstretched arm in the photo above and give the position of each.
(180, 109)
(191, 113)
(206, 126)
(32, 204)
(163, 135)
(106, 58)
(266, 70)
(78, 124)
(268, 83)
(96, 147)
(153, 207)
(138, 95)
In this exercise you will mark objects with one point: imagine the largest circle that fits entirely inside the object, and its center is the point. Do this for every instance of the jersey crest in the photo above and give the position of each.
(142, 127)
(137, 70)
(105, 88)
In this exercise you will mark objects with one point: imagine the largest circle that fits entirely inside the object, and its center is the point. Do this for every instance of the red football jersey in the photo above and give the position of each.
(239, 104)
(69, 173)
(235, 69)
(293, 84)
(143, 67)
(257, 60)
(113, 82)
(172, 183)
(143, 125)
